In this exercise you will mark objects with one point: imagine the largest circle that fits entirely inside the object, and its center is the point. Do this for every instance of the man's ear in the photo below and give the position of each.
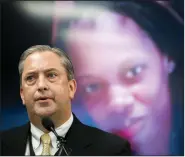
(169, 65)
(72, 88)
(22, 95)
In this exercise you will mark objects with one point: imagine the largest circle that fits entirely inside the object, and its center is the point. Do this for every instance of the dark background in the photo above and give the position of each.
(18, 33)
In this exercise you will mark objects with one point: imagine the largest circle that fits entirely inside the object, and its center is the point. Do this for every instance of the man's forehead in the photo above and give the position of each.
(42, 61)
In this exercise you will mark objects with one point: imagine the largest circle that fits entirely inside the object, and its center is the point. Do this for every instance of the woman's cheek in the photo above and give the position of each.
(144, 93)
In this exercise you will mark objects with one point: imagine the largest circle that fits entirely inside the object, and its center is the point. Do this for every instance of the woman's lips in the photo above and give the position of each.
(134, 127)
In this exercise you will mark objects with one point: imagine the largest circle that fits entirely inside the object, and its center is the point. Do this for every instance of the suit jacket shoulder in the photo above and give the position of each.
(95, 141)
(13, 141)
(112, 144)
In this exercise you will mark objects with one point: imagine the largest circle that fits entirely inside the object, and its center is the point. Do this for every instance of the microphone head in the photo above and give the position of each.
(48, 123)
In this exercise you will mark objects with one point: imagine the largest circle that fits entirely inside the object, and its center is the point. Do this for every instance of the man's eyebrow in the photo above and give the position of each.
(50, 69)
(30, 72)
(35, 71)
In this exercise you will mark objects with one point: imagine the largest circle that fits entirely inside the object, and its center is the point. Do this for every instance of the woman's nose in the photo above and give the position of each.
(120, 99)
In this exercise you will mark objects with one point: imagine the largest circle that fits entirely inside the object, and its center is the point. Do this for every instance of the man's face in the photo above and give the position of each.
(122, 80)
(45, 88)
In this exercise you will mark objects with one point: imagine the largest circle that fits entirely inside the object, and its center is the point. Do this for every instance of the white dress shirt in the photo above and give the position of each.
(37, 133)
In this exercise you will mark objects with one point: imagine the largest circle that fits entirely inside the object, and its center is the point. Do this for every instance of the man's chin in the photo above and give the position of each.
(45, 112)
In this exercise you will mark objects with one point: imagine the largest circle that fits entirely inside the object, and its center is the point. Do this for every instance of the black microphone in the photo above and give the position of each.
(49, 125)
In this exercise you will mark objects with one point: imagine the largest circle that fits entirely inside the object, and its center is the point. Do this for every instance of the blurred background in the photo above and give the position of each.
(27, 23)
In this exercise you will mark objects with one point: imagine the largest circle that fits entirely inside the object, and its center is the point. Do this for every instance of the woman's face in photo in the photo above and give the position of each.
(122, 77)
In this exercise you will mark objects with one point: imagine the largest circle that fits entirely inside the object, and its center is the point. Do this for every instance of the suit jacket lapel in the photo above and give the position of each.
(17, 142)
(77, 138)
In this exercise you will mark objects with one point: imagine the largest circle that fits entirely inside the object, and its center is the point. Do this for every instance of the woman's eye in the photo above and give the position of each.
(133, 72)
(92, 88)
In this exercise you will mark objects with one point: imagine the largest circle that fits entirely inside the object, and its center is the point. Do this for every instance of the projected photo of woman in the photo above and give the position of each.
(128, 59)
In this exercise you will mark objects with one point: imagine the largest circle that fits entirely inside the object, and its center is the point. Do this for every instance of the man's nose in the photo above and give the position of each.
(42, 83)
(120, 99)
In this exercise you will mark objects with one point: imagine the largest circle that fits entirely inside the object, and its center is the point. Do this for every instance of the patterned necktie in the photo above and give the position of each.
(46, 140)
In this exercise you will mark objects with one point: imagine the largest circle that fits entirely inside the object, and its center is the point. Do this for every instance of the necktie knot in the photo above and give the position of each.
(46, 140)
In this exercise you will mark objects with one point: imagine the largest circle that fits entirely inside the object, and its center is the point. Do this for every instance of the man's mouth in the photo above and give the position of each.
(43, 99)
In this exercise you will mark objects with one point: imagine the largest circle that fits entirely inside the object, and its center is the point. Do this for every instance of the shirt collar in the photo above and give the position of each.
(61, 131)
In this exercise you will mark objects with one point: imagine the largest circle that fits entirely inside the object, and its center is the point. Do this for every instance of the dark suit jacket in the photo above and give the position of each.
(82, 139)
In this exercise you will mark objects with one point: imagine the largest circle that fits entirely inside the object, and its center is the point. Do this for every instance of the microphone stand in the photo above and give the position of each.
(61, 143)
(61, 146)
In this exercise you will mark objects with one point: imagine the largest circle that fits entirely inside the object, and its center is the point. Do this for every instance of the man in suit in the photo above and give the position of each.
(47, 86)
